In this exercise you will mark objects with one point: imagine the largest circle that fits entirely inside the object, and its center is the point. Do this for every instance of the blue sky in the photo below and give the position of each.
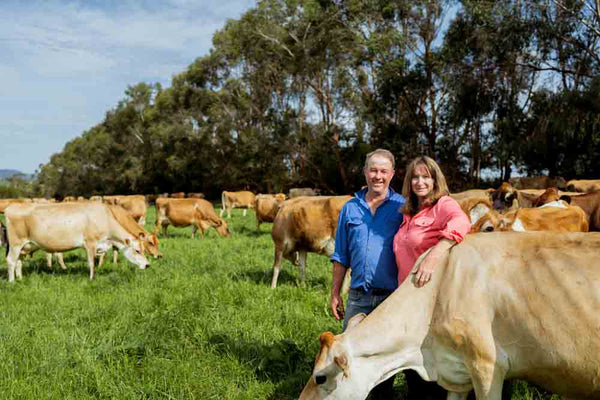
(63, 64)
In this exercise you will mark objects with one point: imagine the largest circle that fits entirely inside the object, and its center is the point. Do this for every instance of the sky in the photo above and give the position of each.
(63, 64)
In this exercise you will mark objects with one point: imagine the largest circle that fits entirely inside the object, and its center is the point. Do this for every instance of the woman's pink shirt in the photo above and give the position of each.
(418, 233)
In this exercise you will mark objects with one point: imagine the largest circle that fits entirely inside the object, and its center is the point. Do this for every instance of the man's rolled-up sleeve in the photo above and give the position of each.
(340, 254)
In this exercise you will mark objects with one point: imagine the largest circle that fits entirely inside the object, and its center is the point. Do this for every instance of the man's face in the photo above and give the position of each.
(378, 174)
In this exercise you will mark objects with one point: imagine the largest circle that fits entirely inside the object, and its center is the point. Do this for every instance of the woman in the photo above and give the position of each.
(431, 216)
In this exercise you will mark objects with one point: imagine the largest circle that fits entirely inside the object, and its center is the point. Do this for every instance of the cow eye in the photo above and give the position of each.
(320, 379)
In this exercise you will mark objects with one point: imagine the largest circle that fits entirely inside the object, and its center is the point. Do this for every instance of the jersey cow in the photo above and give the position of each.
(266, 207)
(513, 324)
(61, 227)
(299, 192)
(198, 213)
(584, 186)
(538, 182)
(230, 200)
(302, 225)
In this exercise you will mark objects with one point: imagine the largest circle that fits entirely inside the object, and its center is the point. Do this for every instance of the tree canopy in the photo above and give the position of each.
(296, 92)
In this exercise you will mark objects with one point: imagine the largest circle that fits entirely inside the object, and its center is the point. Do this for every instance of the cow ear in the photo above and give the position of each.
(142, 236)
(127, 241)
(357, 319)
(342, 362)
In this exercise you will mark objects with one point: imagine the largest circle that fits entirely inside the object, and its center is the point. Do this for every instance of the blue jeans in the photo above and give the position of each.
(359, 302)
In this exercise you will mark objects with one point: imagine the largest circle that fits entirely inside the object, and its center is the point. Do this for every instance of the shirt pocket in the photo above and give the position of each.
(424, 222)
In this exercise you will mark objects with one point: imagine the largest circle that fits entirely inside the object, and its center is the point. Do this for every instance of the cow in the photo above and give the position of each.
(507, 198)
(62, 227)
(266, 207)
(590, 204)
(538, 182)
(136, 206)
(584, 186)
(177, 195)
(471, 194)
(4, 203)
(480, 213)
(96, 198)
(530, 313)
(185, 212)
(231, 200)
(196, 195)
(299, 192)
(302, 225)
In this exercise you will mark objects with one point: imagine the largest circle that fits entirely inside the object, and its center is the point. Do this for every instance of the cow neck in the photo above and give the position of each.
(393, 336)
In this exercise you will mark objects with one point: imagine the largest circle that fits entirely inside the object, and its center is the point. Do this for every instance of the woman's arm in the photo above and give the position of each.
(425, 270)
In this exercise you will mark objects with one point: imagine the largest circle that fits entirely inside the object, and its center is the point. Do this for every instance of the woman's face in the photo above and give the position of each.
(421, 182)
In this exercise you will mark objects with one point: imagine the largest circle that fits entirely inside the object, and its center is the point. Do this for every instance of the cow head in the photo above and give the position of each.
(222, 228)
(550, 195)
(150, 243)
(133, 251)
(505, 197)
(331, 377)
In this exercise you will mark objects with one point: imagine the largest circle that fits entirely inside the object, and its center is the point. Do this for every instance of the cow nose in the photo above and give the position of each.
(159, 255)
(489, 229)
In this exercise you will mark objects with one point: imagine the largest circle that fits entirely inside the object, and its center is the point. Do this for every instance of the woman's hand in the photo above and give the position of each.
(425, 270)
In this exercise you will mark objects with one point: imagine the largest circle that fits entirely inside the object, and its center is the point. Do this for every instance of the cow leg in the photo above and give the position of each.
(244, 213)
(194, 229)
(457, 396)
(49, 260)
(487, 378)
(115, 256)
(90, 248)
(302, 265)
(19, 271)
(142, 221)
(12, 261)
(165, 230)
(101, 260)
(276, 266)
(61, 261)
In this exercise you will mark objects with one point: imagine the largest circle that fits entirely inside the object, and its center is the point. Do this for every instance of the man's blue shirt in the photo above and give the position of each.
(364, 242)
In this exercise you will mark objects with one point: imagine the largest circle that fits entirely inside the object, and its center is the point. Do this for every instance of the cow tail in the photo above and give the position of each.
(5, 238)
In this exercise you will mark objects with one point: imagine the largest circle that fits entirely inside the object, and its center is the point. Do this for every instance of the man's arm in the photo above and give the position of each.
(336, 302)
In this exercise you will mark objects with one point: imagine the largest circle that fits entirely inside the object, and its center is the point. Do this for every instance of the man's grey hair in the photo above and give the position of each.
(383, 153)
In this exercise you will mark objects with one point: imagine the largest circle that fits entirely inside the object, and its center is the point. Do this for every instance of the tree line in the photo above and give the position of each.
(296, 92)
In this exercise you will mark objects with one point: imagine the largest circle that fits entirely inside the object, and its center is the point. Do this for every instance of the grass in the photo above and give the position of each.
(201, 323)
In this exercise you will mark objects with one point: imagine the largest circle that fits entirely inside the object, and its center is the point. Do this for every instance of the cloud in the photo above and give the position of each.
(65, 63)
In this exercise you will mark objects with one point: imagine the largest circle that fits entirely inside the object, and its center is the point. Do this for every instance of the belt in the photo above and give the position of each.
(375, 291)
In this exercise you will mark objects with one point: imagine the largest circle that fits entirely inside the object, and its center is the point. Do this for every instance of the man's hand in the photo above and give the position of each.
(337, 306)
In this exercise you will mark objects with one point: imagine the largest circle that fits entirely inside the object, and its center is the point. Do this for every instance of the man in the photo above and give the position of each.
(366, 228)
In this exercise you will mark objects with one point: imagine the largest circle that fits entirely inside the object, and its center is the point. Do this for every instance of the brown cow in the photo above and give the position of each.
(196, 212)
(507, 198)
(243, 199)
(472, 194)
(266, 207)
(196, 195)
(480, 213)
(300, 192)
(135, 205)
(177, 195)
(4, 203)
(62, 227)
(538, 182)
(588, 202)
(583, 186)
(302, 225)
(498, 306)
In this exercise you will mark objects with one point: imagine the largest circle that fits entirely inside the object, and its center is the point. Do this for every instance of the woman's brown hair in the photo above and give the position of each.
(440, 188)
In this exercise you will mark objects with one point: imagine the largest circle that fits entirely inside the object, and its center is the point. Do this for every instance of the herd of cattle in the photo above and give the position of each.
(306, 222)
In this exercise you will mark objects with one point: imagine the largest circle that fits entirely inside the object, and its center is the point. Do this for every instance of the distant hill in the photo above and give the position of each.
(7, 173)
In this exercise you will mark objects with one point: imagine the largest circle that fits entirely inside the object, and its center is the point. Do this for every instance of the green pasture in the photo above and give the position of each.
(201, 323)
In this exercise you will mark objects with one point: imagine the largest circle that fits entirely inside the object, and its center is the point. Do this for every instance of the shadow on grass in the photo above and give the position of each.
(282, 363)
(286, 278)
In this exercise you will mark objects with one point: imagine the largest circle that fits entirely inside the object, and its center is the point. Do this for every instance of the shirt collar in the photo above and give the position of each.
(361, 194)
